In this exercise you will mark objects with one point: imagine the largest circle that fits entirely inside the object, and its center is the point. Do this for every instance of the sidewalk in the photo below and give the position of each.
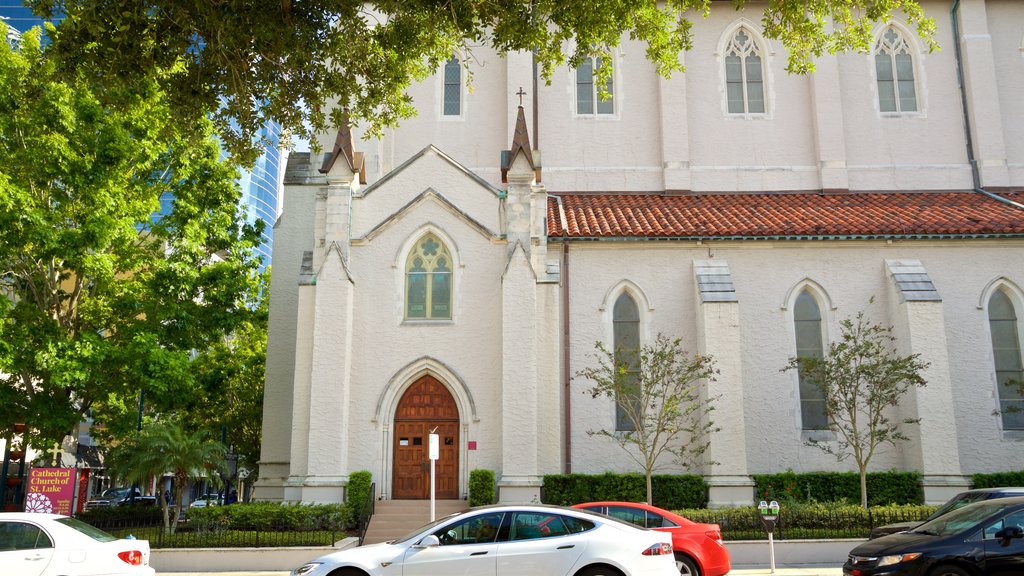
(793, 570)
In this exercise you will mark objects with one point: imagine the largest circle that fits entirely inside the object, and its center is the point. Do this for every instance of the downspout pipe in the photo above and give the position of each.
(954, 12)
(566, 373)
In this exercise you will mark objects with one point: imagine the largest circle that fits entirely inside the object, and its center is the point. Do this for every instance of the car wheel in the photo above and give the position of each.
(599, 571)
(948, 570)
(686, 566)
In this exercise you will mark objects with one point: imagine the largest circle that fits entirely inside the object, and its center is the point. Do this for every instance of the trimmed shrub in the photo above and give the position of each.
(883, 487)
(481, 487)
(669, 491)
(109, 516)
(998, 479)
(799, 521)
(273, 516)
(358, 490)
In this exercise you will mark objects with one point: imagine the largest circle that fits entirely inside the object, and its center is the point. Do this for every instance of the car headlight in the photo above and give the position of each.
(898, 558)
(306, 569)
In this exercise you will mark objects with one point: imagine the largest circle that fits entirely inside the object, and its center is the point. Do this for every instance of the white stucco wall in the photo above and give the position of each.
(850, 273)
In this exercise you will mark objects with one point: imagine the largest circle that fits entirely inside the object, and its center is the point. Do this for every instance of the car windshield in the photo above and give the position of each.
(961, 519)
(959, 502)
(90, 531)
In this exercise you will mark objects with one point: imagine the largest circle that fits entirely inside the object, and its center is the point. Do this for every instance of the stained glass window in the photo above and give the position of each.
(428, 277)
(894, 71)
(807, 320)
(744, 75)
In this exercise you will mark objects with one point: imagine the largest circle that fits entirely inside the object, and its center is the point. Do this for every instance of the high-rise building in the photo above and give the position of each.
(260, 188)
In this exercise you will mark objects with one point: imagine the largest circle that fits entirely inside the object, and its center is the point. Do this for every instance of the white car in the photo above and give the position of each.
(55, 545)
(510, 540)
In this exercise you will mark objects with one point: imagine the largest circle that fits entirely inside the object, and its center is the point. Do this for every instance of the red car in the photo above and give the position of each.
(698, 547)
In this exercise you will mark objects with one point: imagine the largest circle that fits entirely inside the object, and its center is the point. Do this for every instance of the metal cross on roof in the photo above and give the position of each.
(521, 93)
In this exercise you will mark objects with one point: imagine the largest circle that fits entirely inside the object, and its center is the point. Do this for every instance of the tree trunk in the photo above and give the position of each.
(650, 491)
(864, 487)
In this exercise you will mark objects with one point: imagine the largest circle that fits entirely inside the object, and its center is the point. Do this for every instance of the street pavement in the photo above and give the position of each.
(791, 570)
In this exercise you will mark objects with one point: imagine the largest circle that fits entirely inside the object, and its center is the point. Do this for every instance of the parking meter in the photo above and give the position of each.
(769, 514)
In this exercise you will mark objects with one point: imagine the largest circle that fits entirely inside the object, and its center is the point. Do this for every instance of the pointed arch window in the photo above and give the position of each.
(744, 74)
(626, 325)
(452, 88)
(894, 71)
(809, 344)
(428, 280)
(1002, 320)
(588, 98)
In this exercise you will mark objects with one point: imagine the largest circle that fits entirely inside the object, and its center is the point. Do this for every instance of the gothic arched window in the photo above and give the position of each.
(894, 71)
(744, 74)
(1002, 321)
(428, 280)
(807, 320)
(626, 324)
(452, 87)
(588, 97)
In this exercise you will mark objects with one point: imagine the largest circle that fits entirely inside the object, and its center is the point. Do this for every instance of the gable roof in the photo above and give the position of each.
(804, 215)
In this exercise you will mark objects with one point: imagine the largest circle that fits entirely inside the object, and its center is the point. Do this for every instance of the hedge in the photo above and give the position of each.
(998, 479)
(891, 487)
(358, 490)
(481, 487)
(798, 521)
(273, 516)
(669, 491)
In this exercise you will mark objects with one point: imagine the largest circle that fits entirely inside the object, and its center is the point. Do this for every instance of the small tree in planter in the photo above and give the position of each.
(659, 389)
(862, 378)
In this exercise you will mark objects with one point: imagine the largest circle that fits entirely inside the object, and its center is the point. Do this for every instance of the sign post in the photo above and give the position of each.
(769, 516)
(435, 450)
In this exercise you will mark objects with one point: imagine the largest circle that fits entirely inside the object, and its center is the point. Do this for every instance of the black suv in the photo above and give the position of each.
(960, 500)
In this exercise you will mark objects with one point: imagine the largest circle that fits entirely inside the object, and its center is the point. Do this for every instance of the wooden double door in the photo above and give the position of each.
(426, 407)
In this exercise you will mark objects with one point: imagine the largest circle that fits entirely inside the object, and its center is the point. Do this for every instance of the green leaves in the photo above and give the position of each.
(105, 299)
(247, 61)
(863, 379)
(662, 390)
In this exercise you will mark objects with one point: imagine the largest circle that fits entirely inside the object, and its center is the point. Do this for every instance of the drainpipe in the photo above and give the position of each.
(954, 11)
(566, 375)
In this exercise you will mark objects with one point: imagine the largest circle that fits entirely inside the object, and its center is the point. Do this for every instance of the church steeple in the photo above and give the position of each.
(520, 145)
(344, 147)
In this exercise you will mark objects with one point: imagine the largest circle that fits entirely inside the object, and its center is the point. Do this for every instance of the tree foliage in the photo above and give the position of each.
(165, 447)
(863, 379)
(103, 298)
(229, 381)
(664, 398)
(253, 60)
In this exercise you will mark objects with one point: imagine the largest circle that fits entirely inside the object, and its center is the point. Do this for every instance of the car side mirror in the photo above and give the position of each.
(428, 541)
(1010, 532)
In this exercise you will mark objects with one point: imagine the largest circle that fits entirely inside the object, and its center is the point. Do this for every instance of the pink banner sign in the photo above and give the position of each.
(50, 490)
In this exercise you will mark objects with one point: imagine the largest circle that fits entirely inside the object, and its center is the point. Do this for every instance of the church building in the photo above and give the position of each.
(454, 275)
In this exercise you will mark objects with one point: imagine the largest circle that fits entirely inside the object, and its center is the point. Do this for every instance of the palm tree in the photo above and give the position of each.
(166, 447)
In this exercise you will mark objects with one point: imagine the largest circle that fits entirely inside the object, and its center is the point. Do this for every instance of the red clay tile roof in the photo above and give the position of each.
(785, 215)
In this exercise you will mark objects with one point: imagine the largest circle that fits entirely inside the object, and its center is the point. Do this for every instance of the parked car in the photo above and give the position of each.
(112, 497)
(54, 545)
(959, 501)
(698, 548)
(204, 502)
(510, 540)
(981, 539)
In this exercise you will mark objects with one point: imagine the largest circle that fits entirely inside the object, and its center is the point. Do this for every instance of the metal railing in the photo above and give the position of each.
(808, 525)
(367, 512)
(215, 534)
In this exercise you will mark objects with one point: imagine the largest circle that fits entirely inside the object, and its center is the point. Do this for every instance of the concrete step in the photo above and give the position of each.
(395, 518)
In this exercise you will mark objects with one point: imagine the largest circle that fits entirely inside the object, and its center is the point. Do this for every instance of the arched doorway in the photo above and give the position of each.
(426, 405)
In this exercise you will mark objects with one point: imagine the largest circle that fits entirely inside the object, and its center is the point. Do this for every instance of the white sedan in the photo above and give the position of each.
(51, 545)
(510, 540)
